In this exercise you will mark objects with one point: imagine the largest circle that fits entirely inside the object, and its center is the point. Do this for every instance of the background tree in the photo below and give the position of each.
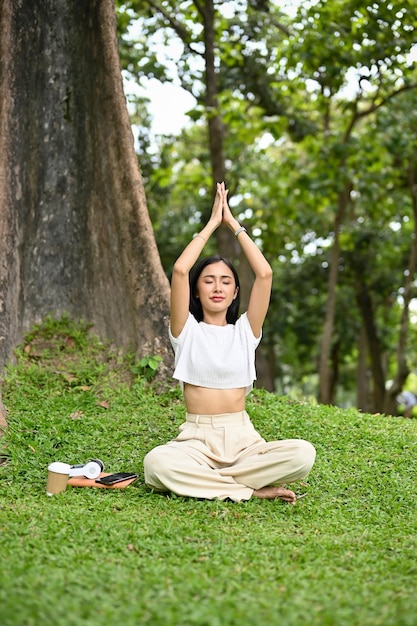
(75, 231)
(375, 41)
(314, 86)
(211, 45)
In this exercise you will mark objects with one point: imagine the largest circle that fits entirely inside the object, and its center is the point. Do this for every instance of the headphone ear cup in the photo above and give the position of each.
(100, 463)
(92, 469)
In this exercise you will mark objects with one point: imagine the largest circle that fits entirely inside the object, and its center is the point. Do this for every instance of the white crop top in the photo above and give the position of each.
(217, 357)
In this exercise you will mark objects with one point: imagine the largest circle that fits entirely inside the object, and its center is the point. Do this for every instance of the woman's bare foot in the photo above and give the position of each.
(272, 493)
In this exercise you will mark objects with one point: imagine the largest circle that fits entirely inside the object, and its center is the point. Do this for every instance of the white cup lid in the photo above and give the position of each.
(59, 468)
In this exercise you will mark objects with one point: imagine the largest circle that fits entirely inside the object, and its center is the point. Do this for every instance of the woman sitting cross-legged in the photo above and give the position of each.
(218, 453)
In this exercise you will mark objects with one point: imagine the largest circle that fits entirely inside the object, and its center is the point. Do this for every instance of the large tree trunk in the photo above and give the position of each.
(75, 233)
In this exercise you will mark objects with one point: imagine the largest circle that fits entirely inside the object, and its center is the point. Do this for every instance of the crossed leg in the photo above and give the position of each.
(185, 469)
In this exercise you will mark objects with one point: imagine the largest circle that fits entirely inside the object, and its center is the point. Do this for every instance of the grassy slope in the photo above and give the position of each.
(346, 554)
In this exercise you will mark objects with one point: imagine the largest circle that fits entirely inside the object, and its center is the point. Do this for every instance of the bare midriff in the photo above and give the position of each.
(205, 401)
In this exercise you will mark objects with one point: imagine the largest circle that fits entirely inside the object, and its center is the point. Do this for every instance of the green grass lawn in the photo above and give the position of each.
(344, 555)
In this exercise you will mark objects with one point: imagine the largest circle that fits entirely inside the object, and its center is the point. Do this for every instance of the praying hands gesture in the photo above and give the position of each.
(221, 213)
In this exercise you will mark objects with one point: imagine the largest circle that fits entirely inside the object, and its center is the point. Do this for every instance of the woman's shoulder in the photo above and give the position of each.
(190, 323)
(244, 327)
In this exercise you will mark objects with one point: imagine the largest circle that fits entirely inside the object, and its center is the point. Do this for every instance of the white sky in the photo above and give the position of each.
(168, 105)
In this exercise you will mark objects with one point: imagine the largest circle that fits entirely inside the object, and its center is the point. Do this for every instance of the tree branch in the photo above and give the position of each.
(375, 106)
(357, 115)
(199, 7)
(179, 28)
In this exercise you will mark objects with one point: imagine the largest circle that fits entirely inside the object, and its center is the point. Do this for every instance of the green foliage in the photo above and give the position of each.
(316, 107)
(345, 554)
(62, 333)
(147, 366)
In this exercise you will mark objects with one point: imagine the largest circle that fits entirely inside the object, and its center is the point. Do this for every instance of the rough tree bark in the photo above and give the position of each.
(75, 233)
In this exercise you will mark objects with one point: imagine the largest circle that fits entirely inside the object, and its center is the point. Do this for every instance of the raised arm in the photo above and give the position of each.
(180, 289)
(261, 290)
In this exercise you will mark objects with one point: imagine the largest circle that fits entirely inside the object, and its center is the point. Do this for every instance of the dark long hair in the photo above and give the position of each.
(195, 304)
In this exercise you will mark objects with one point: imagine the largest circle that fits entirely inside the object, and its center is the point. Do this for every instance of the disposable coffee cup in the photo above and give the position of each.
(58, 474)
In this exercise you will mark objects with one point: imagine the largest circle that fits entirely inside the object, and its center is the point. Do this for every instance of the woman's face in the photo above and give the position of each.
(216, 288)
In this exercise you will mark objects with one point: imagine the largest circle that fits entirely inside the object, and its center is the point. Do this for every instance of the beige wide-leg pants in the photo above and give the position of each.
(223, 456)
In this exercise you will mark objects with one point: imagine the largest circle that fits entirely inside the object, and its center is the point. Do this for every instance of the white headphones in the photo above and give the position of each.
(92, 469)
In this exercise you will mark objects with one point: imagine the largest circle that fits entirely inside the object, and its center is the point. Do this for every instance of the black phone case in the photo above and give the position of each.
(119, 477)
